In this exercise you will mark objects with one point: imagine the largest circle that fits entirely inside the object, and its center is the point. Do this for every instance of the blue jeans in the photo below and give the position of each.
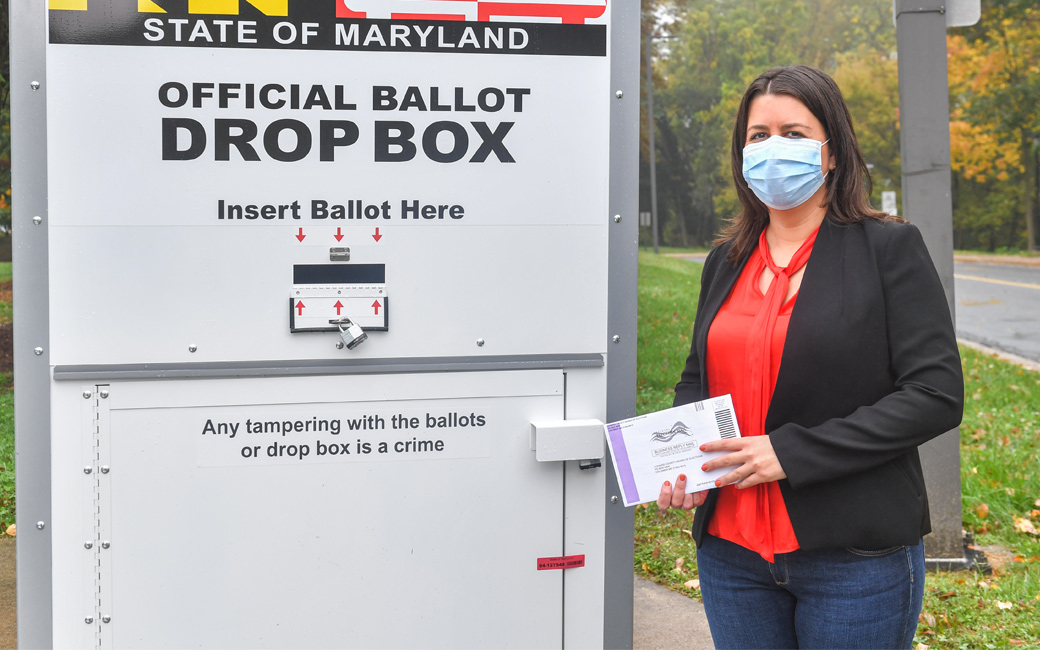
(829, 598)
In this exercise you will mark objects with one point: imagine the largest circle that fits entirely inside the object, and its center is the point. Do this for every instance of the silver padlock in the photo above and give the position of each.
(351, 333)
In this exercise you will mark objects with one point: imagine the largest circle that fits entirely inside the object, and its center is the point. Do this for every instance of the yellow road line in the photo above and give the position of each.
(1010, 284)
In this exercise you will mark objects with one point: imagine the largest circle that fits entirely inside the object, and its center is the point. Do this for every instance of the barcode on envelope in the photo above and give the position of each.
(724, 419)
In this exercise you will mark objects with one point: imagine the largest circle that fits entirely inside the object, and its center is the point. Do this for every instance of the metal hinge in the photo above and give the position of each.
(99, 615)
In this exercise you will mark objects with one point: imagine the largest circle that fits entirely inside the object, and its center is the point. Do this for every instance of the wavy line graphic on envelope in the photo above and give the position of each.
(666, 435)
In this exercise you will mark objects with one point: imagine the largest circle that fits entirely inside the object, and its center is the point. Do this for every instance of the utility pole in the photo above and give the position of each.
(650, 127)
(927, 202)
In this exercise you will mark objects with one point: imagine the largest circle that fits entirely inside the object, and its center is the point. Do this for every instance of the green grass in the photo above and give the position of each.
(1000, 442)
(668, 289)
(7, 500)
(5, 305)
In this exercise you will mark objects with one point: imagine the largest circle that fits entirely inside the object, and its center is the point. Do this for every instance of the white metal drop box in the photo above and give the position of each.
(228, 437)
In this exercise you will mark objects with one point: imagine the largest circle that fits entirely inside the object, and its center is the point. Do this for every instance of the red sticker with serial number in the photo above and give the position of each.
(565, 562)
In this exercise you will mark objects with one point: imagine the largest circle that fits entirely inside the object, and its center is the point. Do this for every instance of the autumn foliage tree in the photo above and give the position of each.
(714, 48)
(994, 71)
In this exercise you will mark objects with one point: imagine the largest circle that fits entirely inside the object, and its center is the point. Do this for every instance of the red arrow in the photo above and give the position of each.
(377, 236)
(339, 307)
(376, 306)
(301, 235)
(339, 234)
(299, 308)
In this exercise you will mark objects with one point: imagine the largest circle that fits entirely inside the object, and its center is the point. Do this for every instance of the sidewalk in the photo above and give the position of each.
(664, 619)
(1003, 260)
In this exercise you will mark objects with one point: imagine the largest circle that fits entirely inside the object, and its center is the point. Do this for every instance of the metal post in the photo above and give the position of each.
(650, 126)
(925, 149)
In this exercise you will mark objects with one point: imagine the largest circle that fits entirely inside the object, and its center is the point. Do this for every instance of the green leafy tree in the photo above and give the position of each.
(718, 48)
(995, 125)
(5, 125)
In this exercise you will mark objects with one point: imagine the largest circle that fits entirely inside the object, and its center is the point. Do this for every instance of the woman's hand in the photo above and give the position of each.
(753, 460)
(677, 498)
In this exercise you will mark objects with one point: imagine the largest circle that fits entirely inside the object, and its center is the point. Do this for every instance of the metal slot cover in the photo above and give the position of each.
(324, 293)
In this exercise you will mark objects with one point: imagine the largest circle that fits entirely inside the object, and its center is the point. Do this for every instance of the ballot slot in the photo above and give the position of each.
(322, 295)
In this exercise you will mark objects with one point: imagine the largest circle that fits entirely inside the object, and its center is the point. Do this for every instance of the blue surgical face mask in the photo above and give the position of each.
(784, 172)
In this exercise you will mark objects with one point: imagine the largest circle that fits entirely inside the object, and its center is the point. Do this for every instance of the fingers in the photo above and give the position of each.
(679, 493)
(676, 497)
(664, 500)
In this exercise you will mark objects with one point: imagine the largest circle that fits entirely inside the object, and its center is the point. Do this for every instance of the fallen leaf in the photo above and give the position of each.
(1016, 642)
(692, 584)
(948, 594)
(927, 618)
(1023, 525)
(678, 565)
(921, 646)
(1010, 491)
(10, 530)
(982, 510)
(656, 552)
(1003, 604)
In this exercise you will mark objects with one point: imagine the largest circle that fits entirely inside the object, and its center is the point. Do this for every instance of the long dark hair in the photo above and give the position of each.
(848, 184)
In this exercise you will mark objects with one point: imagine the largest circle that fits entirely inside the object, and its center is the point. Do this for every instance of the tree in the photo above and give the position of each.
(720, 46)
(5, 124)
(995, 119)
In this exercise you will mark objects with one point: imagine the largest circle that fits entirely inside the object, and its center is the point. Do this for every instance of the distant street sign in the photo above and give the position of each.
(888, 203)
(959, 13)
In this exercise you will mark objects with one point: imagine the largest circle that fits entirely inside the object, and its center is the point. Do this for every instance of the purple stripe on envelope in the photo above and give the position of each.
(624, 468)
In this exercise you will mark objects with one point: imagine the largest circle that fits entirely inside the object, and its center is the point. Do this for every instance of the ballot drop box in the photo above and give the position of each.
(320, 308)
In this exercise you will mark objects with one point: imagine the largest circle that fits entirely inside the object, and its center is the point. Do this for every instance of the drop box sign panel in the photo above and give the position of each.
(217, 164)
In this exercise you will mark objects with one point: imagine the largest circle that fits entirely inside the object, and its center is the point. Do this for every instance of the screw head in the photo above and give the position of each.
(617, 218)
(103, 393)
(87, 394)
(37, 220)
(35, 85)
(38, 351)
(106, 619)
(106, 545)
(104, 469)
(88, 620)
(613, 499)
(616, 339)
(88, 469)
(340, 345)
(40, 525)
(620, 94)
(88, 545)
(192, 348)
(480, 343)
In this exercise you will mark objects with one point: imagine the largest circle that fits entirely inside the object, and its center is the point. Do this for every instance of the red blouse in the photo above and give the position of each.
(756, 517)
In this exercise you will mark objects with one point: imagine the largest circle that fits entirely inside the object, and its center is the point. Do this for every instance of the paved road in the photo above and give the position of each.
(999, 306)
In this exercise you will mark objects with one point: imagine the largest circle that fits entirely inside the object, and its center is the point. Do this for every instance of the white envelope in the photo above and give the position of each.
(650, 449)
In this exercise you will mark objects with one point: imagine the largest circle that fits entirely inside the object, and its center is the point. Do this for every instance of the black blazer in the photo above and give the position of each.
(870, 370)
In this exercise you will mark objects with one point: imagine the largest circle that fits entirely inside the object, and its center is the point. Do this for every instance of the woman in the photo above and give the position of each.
(828, 324)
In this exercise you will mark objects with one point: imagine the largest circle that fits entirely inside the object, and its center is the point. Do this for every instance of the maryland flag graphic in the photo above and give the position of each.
(574, 27)
(576, 12)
